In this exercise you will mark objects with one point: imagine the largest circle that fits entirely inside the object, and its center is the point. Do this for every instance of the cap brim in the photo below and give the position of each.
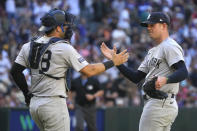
(145, 23)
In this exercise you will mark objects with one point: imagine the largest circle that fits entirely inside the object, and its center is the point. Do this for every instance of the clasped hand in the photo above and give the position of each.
(111, 54)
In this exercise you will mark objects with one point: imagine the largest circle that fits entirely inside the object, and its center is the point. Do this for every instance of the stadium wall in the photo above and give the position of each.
(111, 119)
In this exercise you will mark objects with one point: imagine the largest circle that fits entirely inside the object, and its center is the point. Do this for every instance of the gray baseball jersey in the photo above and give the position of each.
(158, 115)
(158, 62)
(57, 59)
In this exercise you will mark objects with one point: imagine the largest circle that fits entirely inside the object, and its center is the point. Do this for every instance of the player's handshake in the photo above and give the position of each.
(120, 58)
(111, 54)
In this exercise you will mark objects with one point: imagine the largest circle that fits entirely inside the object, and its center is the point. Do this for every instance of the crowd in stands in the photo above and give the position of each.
(116, 22)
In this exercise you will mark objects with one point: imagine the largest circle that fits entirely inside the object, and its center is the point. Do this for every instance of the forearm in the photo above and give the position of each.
(134, 76)
(180, 73)
(99, 93)
(19, 78)
(95, 69)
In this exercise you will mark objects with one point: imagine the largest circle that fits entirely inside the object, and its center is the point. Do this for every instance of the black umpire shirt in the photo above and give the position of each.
(85, 86)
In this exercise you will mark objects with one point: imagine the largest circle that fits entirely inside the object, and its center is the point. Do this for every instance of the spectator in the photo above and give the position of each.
(10, 8)
(19, 20)
(4, 69)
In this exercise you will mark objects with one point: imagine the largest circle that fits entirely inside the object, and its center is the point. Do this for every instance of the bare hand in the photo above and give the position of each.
(106, 51)
(89, 97)
(120, 58)
(160, 82)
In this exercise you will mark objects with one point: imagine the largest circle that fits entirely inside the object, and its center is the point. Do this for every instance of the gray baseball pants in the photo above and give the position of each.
(50, 113)
(158, 115)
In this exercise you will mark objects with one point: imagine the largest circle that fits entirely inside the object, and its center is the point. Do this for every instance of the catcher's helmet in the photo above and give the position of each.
(54, 18)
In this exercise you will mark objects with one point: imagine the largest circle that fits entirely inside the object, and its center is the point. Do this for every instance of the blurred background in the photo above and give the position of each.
(116, 22)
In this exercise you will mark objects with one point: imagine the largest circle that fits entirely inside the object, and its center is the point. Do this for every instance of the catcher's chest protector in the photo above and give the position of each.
(37, 50)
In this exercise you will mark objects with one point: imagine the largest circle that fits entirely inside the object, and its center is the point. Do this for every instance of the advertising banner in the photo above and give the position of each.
(20, 120)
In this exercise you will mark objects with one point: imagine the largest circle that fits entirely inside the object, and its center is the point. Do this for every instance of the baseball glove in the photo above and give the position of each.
(150, 90)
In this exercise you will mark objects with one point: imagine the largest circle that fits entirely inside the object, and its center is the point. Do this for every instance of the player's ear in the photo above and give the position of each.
(162, 26)
(58, 29)
(165, 25)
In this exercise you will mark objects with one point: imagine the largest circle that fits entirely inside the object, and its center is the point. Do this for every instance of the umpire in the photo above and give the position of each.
(87, 90)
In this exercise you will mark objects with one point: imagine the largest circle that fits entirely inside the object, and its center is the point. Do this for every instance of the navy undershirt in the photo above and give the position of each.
(179, 74)
(19, 78)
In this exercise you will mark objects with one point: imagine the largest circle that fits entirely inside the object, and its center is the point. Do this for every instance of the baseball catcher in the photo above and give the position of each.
(49, 57)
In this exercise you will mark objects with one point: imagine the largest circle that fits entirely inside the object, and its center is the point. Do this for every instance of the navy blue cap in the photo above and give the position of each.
(156, 17)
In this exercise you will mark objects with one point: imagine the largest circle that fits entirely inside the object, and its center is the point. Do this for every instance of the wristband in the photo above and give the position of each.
(167, 80)
(108, 64)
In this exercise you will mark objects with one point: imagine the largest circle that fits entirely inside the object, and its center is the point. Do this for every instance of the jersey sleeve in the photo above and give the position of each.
(144, 65)
(173, 54)
(74, 59)
(22, 57)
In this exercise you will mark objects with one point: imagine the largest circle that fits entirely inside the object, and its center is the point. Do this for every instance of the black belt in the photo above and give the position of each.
(173, 96)
(50, 96)
(146, 98)
(62, 96)
(86, 104)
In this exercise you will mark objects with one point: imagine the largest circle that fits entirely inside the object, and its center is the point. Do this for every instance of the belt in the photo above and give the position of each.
(173, 96)
(51, 96)
(86, 105)
(146, 97)
(62, 96)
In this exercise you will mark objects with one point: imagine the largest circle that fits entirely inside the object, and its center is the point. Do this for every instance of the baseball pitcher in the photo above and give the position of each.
(163, 68)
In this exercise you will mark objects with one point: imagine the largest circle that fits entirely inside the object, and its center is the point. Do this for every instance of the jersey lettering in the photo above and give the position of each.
(45, 62)
(154, 62)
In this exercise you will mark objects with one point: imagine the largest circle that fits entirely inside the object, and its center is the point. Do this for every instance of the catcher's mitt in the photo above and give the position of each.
(150, 90)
